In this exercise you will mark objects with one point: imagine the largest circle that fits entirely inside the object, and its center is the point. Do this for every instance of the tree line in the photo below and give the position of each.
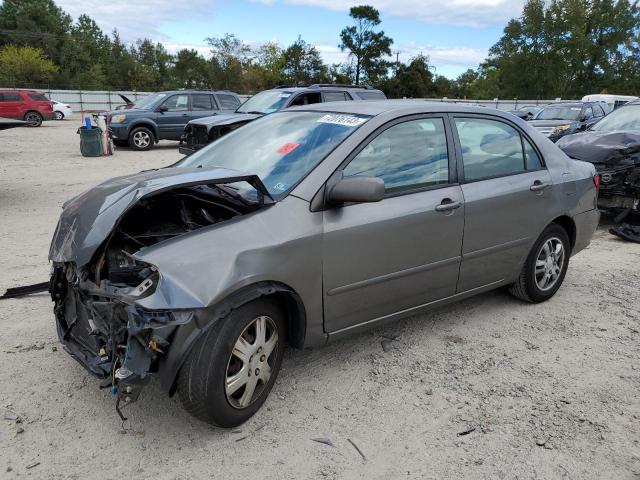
(556, 48)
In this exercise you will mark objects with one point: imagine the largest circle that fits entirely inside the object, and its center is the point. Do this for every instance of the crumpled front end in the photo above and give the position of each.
(99, 284)
(103, 329)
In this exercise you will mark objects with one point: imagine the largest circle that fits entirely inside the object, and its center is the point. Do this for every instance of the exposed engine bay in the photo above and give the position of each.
(98, 321)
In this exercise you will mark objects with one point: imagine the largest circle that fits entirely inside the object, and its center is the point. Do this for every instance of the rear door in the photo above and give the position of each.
(507, 195)
(176, 115)
(403, 252)
(203, 105)
(12, 105)
(335, 96)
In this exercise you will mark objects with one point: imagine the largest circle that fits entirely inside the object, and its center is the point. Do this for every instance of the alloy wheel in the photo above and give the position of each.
(141, 139)
(549, 263)
(33, 119)
(250, 365)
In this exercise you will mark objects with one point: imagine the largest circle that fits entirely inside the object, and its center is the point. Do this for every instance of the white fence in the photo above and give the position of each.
(80, 100)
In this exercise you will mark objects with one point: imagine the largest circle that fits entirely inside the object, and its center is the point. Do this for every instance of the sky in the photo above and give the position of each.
(455, 34)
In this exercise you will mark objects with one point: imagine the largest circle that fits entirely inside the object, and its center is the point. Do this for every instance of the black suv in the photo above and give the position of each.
(563, 118)
(163, 116)
(199, 133)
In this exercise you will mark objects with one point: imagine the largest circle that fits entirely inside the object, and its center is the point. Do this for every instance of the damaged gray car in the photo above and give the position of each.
(304, 226)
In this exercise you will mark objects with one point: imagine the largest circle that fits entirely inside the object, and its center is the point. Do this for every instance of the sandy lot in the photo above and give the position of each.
(541, 391)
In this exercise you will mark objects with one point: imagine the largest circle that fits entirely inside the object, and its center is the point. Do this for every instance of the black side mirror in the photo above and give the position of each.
(357, 190)
(162, 109)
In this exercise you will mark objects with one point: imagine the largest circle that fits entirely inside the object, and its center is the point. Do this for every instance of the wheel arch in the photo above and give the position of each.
(186, 335)
(569, 226)
(145, 123)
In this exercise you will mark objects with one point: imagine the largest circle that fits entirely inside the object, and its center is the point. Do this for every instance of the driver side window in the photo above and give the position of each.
(406, 156)
(177, 103)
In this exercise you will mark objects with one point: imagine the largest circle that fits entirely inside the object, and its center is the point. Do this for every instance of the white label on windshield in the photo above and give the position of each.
(285, 95)
(346, 120)
(576, 109)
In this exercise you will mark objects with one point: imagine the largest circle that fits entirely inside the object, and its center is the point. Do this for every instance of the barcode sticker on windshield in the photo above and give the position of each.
(346, 120)
(285, 95)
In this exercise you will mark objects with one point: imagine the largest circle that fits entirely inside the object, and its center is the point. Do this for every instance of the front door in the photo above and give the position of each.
(382, 258)
(507, 194)
(173, 116)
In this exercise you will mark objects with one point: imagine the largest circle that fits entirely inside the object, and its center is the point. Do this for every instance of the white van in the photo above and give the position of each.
(614, 101)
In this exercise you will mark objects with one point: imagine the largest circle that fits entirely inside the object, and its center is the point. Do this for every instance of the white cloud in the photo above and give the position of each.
(471, 13)
(136, 18)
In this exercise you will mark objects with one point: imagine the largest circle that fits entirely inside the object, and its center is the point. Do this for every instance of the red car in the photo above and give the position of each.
(28, 105)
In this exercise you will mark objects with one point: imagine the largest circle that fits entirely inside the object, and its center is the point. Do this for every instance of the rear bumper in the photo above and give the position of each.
(586, 225)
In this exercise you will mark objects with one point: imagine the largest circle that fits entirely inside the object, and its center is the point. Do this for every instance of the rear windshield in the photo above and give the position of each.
(559, 112)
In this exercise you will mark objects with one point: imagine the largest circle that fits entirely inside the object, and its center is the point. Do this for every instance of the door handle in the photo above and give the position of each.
(538, 186)
(448, 205)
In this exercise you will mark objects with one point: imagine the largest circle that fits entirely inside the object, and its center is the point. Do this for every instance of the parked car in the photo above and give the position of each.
(613, 146)
(201, 132)
(163, 116)
(7, 123)
(563, 118)
(526, 112)
(612, 101)
(28, 105)
(302, 227)
(61, 110)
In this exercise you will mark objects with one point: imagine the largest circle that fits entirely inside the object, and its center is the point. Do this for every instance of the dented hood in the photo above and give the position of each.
(615, 149)
(225, 119)
(88, 219)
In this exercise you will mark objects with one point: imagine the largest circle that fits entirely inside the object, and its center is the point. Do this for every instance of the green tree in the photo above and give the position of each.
(366, 47)
(303, 64)
(35, 23)
(24, 66)
(230, 58)
(190, 69)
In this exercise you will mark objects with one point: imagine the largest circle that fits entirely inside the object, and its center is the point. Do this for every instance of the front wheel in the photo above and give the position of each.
(545, 268)
(33, 119)
(141, 138)
(231, 369)
(59, 116)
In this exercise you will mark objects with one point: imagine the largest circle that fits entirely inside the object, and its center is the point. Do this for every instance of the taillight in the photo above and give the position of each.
(596, 180)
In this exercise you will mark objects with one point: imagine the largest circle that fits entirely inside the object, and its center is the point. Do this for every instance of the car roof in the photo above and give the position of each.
(198, 91)
(323, 86)
(377, 107)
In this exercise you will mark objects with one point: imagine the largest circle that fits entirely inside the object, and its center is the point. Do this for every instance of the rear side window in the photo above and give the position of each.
(335, 97)
(493, 149)
(201, 101)
(38, 97)
(406, 156)
(10, 97)
(371, 95)
(228, 102)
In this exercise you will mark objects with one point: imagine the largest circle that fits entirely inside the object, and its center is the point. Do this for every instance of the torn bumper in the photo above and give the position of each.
(109, 335)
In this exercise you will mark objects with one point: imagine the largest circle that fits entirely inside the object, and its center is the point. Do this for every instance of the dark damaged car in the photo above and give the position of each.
(559, 119)
(302, 227)
(203, 131)
(613, 146)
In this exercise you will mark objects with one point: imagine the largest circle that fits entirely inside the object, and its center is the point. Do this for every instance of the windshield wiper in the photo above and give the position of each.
(255, 112)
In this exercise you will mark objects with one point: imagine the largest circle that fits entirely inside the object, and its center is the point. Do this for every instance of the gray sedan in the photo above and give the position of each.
(302, 227)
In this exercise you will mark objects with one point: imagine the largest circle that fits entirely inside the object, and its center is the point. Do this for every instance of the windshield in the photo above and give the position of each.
(268, 101)
(624, 118)
(558, 112)
(150, 101)
(281, 148)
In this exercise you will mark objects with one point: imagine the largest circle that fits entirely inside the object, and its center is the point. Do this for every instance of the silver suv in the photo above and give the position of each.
(300, 228)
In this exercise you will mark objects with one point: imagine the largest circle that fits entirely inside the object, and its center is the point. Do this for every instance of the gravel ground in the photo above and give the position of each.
(487, 388)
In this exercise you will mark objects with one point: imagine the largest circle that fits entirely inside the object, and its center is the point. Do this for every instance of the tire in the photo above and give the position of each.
(141, 138)
(544, 271)
(59, 115)
(214, 363)
(34, 119)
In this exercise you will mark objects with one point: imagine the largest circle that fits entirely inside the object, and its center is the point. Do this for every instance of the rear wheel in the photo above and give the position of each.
(141, 138)
(545, 268)
(33, 119)
(231, 369)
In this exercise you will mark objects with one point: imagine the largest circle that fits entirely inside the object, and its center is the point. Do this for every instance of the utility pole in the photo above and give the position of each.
(397, 61)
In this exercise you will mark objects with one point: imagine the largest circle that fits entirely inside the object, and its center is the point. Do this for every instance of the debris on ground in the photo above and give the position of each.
(17, 292)
(386, 344)
(626, 231)
(32, 465)
(467, 431)
(324, 440)
(357, 449)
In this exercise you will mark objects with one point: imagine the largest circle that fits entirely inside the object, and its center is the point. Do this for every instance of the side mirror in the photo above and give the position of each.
(357, 190)
(162, 109)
